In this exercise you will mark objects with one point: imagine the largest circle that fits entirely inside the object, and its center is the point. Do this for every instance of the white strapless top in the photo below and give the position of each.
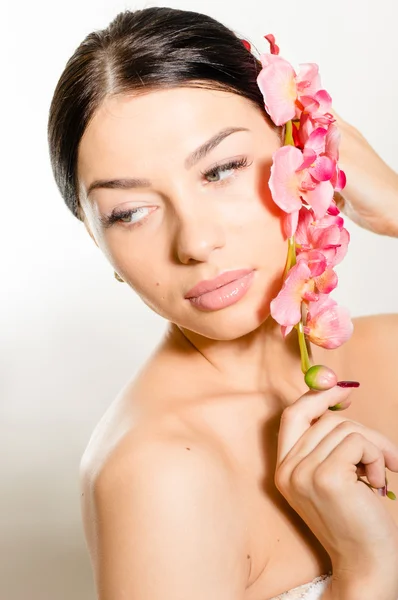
(308, 591)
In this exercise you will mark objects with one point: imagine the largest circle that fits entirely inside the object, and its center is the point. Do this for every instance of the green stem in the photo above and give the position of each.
(291, 256)
(289, 134)
(304, 313)
(305, 360)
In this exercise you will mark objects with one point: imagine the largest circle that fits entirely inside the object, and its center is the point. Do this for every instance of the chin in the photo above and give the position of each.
(231, 322)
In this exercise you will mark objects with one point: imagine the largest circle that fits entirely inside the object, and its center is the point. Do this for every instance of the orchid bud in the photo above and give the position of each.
(319, 377)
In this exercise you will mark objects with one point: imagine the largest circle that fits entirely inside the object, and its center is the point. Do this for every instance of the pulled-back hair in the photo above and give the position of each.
(139, 52)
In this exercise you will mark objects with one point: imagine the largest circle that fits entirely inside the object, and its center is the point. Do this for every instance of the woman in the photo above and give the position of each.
(216, 473)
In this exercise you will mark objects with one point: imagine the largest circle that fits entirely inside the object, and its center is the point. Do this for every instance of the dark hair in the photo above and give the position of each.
(141, 51)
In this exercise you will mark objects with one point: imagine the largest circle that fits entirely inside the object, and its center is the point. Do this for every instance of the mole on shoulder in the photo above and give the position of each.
(188, 448)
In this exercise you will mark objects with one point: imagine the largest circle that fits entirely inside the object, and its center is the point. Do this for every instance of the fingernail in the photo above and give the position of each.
(346, 384)
(382, 491)
(340, 405)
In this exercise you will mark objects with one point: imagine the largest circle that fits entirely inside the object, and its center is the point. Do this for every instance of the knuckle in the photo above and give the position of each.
(281, 479)
(323, 477)
(353, 437)
(345, 426)
(287, 413)
(300, 479)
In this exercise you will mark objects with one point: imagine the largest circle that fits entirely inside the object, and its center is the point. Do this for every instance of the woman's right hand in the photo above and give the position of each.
(320, 457)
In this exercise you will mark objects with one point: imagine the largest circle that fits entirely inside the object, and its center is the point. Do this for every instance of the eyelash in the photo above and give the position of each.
(114, 217)
(233, 164)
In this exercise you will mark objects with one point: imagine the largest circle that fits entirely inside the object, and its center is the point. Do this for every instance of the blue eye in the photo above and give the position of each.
(232, 165)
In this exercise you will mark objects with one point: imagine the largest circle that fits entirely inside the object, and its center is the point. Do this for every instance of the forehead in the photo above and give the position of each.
(172, 120)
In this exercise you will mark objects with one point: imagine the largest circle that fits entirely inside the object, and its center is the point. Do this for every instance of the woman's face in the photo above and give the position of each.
(184, 219)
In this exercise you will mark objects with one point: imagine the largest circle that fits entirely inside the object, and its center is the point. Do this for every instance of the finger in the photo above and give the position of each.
(333, 430)
(373, 458)
(296, 419)
(341, 461)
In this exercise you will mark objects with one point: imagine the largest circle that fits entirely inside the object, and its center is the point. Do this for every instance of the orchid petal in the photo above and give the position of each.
(286, 329)
(306, 128)
(340, 181)
(317, 140)
(310, 104)
(325, 101)
(286, 307)
(302, 232)
(284, 182)
(328, 325)
(316, 261)
(268, 59)
(333, 210)
(320, 198)
(309, 159)
(308, 183)
(323, 169)
(308, 78)
(271, 39)
(290, 223)
(310, 296)
(341, 251)
(278, 87)
(326, 282)
(332, 142)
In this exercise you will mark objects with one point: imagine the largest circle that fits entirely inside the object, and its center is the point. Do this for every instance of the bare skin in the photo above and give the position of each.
(212, 394)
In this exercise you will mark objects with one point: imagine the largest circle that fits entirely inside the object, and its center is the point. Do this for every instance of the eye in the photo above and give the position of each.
(232, 166)
(124, 216)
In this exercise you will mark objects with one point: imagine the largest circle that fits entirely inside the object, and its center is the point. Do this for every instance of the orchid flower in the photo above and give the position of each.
(304, 177)
(328, 325)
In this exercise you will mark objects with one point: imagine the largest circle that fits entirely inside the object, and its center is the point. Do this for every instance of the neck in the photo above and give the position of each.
(258, 362)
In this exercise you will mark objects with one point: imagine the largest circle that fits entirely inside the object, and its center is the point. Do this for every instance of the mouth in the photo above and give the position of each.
(226, 289)
(209, 285)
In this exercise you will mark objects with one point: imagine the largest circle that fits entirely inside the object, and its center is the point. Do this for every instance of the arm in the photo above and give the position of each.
(167, 526)
(370, 197)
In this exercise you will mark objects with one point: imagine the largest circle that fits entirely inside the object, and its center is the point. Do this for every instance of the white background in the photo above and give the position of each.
(70, 334)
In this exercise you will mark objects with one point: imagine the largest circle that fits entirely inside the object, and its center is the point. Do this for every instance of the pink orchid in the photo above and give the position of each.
(283, 90)
(320, 166)
(304, 176)
(318, 106)
(278, 86)
(324, 278)
(305, 281)
(321, 152)
(290, 185)
(271, 39)
(328, 325)
(326, 235)
(286, 307)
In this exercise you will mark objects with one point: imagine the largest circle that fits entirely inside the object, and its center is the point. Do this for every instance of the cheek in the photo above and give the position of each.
(257, 221)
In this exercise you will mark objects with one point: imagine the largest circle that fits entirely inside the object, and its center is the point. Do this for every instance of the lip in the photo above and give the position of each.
(208, 285)
(224, 295)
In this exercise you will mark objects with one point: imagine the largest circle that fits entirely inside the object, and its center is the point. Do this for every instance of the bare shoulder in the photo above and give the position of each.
(373, 349)
(163, 520)
(382, 329)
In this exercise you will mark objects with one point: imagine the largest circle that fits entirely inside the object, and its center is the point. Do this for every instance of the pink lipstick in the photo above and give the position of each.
(226, 289)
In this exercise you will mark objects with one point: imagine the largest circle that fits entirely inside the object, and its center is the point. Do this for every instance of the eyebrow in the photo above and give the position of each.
(127, 183)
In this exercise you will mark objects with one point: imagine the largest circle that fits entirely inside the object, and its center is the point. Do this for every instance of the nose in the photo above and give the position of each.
(198, 234)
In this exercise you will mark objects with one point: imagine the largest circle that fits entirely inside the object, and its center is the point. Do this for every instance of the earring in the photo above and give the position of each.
(117, 276)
